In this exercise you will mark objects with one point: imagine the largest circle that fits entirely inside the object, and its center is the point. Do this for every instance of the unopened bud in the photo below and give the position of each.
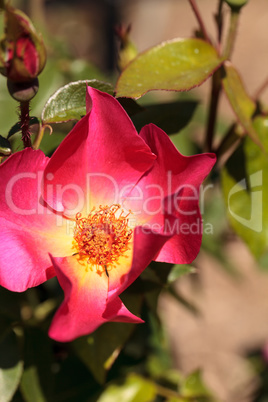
(22, 51)
(23, 91)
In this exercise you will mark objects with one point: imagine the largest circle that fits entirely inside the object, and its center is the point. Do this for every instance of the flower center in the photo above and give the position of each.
(102, 237)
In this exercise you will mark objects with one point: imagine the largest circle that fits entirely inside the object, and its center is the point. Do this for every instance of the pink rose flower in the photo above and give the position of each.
(107, 203)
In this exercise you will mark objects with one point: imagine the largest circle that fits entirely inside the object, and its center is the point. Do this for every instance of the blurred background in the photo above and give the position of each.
(226, 332)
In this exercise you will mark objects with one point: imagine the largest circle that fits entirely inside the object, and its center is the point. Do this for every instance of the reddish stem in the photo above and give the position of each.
(199, 19)
(219, 21)
(213, 110)
(24, 123)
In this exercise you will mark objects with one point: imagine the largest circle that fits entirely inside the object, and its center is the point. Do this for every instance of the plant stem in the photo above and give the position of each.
(231, 34)
(40, 135)
(215, 89)
(228, 141)
(24, 123)
(216, 82)
(213, 109)
(166, 392)
(200, 20)
(219, 20)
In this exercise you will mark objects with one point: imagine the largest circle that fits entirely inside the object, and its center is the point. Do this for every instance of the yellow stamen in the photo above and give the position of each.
(102, 237)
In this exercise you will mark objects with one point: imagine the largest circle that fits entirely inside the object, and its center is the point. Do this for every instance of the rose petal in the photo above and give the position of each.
(85, 306)
(116, 311)
(171, 188)
(28, 229)
(85, 294)
(101, 155)
(147, 245)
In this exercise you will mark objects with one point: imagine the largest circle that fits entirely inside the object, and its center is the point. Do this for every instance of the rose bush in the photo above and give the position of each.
(107, 203)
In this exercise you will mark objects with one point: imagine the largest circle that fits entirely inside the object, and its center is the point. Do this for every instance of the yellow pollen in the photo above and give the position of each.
(102, 237)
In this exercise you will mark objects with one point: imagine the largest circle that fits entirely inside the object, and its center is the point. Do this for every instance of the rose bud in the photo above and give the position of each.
(22, 50)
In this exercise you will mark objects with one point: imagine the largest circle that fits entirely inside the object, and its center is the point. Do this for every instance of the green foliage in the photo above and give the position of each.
(134, 389)
(139, 389)
(193, 387)
(37, 379)
(172, 117)
(242, 104)
(180, 270)
(5, 147)
(245, 184)
(177, 65)
(68, 103)
(99, 350)
(16, 128)
(121, 361)
(11, 366)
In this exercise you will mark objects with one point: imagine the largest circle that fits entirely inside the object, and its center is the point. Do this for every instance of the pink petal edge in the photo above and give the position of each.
(28, 229)
(85, 306)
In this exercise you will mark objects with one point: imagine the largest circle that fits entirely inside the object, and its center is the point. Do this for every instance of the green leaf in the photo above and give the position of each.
(150, 280)
(162, 270)
(134, 389)
(5, 147)
(130, 106)
(177, 65)
(73, 382)
(17, 127)
(30, 386)
(11, 367)
(36, 383)
(171, 117)
(214, 225)
(242, 105)
(193, 387)
(180, 270)
(50, 142)
(69, 102)
(245, 190)
(5, 326)
(99, 350)
(10, 304)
